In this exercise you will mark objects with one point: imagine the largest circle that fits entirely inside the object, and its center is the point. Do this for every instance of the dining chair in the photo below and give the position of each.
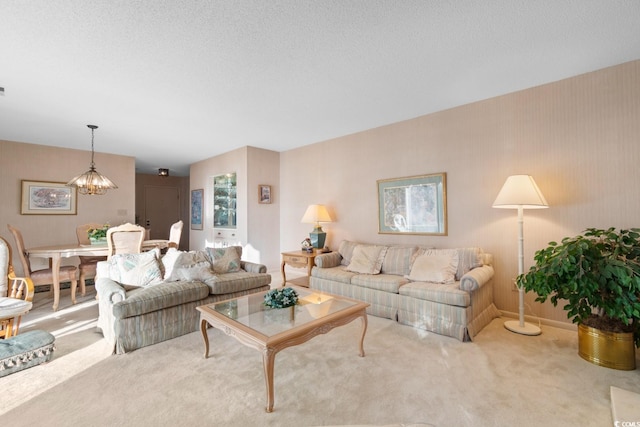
(16, 294)
(43, 276)
(174, 234)
(125, 239)
(87, 264)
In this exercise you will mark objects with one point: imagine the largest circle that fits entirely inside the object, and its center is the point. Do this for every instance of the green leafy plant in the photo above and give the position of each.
(281, 298)
(98, 233)
(597, 273)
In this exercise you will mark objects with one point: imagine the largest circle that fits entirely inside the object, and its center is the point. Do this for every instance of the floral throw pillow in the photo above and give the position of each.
(137, 270)
(225, 260)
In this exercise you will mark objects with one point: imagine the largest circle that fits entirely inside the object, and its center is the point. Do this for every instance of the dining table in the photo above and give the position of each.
(56, 252)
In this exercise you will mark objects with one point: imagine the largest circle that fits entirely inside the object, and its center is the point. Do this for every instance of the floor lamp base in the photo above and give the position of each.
(527, 329)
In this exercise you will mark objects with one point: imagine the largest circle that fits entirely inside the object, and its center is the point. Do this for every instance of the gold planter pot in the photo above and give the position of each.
(610, 349)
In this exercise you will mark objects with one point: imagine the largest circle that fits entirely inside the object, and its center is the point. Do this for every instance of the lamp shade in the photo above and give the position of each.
(520, 191)
(316, 214)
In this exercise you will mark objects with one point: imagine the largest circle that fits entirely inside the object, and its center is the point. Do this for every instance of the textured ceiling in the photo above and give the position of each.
(171, 82)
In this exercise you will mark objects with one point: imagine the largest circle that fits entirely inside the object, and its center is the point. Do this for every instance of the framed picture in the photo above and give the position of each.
(196, 209)
(48, 198)
(413, 205)
(264, 194)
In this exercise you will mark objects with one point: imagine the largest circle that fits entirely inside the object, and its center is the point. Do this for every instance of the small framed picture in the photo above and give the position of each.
(264, 193)
(196, 209)
(47, 198)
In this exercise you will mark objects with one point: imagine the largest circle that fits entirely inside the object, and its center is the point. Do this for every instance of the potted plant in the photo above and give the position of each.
(597, 274)
(98, 235)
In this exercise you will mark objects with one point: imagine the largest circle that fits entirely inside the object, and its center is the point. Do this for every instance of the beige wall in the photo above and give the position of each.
(579, 138)
(20, 161)
(257, 224)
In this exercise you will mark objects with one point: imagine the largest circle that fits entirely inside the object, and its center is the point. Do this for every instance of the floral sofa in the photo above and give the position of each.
(446, 291)
(146, 298)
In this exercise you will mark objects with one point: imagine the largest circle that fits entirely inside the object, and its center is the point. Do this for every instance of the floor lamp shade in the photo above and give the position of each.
(315, 214)
(520, 192)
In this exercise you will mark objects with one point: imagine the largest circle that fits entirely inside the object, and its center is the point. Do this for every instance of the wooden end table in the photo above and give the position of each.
(298, 259)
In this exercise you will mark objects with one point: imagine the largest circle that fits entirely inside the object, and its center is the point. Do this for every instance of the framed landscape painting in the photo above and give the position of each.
(48, 198)
(196, 209)
(413, 205)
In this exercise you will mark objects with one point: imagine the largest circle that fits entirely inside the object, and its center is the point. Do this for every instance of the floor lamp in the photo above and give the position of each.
(520, 192)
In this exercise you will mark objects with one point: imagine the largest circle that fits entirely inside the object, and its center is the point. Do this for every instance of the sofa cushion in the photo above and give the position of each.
(337, 274)
(435, 265)
(468, 259)
(398, 260)
(135, 270)
(225, 260)
(146, 300)
(444, 293)
(382, 282)
(367, 259)
(236, 282)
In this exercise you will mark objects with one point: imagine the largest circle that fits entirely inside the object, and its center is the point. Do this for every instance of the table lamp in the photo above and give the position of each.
(316, 214)
(520, 192)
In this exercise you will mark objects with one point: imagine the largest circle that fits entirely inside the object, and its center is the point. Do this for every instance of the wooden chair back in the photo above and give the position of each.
(24, 257)
(174, 234)
(125, 239)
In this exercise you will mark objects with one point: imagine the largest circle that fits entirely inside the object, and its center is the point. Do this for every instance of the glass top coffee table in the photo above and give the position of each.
(270, 330)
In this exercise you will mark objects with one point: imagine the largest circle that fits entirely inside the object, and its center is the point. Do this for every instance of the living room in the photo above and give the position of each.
(577, 136)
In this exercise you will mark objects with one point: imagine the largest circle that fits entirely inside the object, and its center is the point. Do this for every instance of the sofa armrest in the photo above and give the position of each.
(476, 278)
(332, 259)
(110, 290)
(252, 267)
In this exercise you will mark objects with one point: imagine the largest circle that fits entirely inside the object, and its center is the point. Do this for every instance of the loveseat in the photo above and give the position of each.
(446, 291)
(147, 298)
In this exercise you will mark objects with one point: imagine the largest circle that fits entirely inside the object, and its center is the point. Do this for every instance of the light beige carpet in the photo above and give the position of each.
(407, 376)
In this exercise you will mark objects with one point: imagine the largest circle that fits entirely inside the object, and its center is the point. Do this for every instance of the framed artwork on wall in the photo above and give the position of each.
(413, 205)
(48, 198)
(264, 193)
(196, 209)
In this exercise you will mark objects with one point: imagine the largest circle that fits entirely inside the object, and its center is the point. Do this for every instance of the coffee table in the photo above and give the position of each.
(270, 330)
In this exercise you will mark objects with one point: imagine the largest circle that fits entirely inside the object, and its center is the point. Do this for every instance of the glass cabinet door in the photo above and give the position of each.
(224, 201)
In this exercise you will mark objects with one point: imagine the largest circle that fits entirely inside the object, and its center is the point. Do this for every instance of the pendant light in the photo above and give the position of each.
(92, 182)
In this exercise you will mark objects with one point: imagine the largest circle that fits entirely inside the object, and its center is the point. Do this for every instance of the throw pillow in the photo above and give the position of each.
(225, 260)
(185, 260)
(435, 265)
(346, 251)
(137, 270)
(169, 260)
(200, 271)
(367, 259)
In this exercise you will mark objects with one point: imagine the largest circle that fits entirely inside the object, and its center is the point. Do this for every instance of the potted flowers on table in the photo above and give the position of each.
(281, 298)
(98, 236)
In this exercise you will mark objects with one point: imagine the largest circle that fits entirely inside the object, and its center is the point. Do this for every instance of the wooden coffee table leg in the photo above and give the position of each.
(205, 337)
(268, 359)
(364, 331)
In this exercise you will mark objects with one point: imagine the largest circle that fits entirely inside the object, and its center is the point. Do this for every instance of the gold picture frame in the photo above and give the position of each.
(48, 198)
(413, 205)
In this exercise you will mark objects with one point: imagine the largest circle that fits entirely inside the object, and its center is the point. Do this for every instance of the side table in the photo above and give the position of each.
(298, 259)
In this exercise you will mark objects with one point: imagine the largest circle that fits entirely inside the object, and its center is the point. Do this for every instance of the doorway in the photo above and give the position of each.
(161, 210)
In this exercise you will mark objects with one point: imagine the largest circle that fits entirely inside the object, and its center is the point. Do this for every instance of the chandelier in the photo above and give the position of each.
(92, 182)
